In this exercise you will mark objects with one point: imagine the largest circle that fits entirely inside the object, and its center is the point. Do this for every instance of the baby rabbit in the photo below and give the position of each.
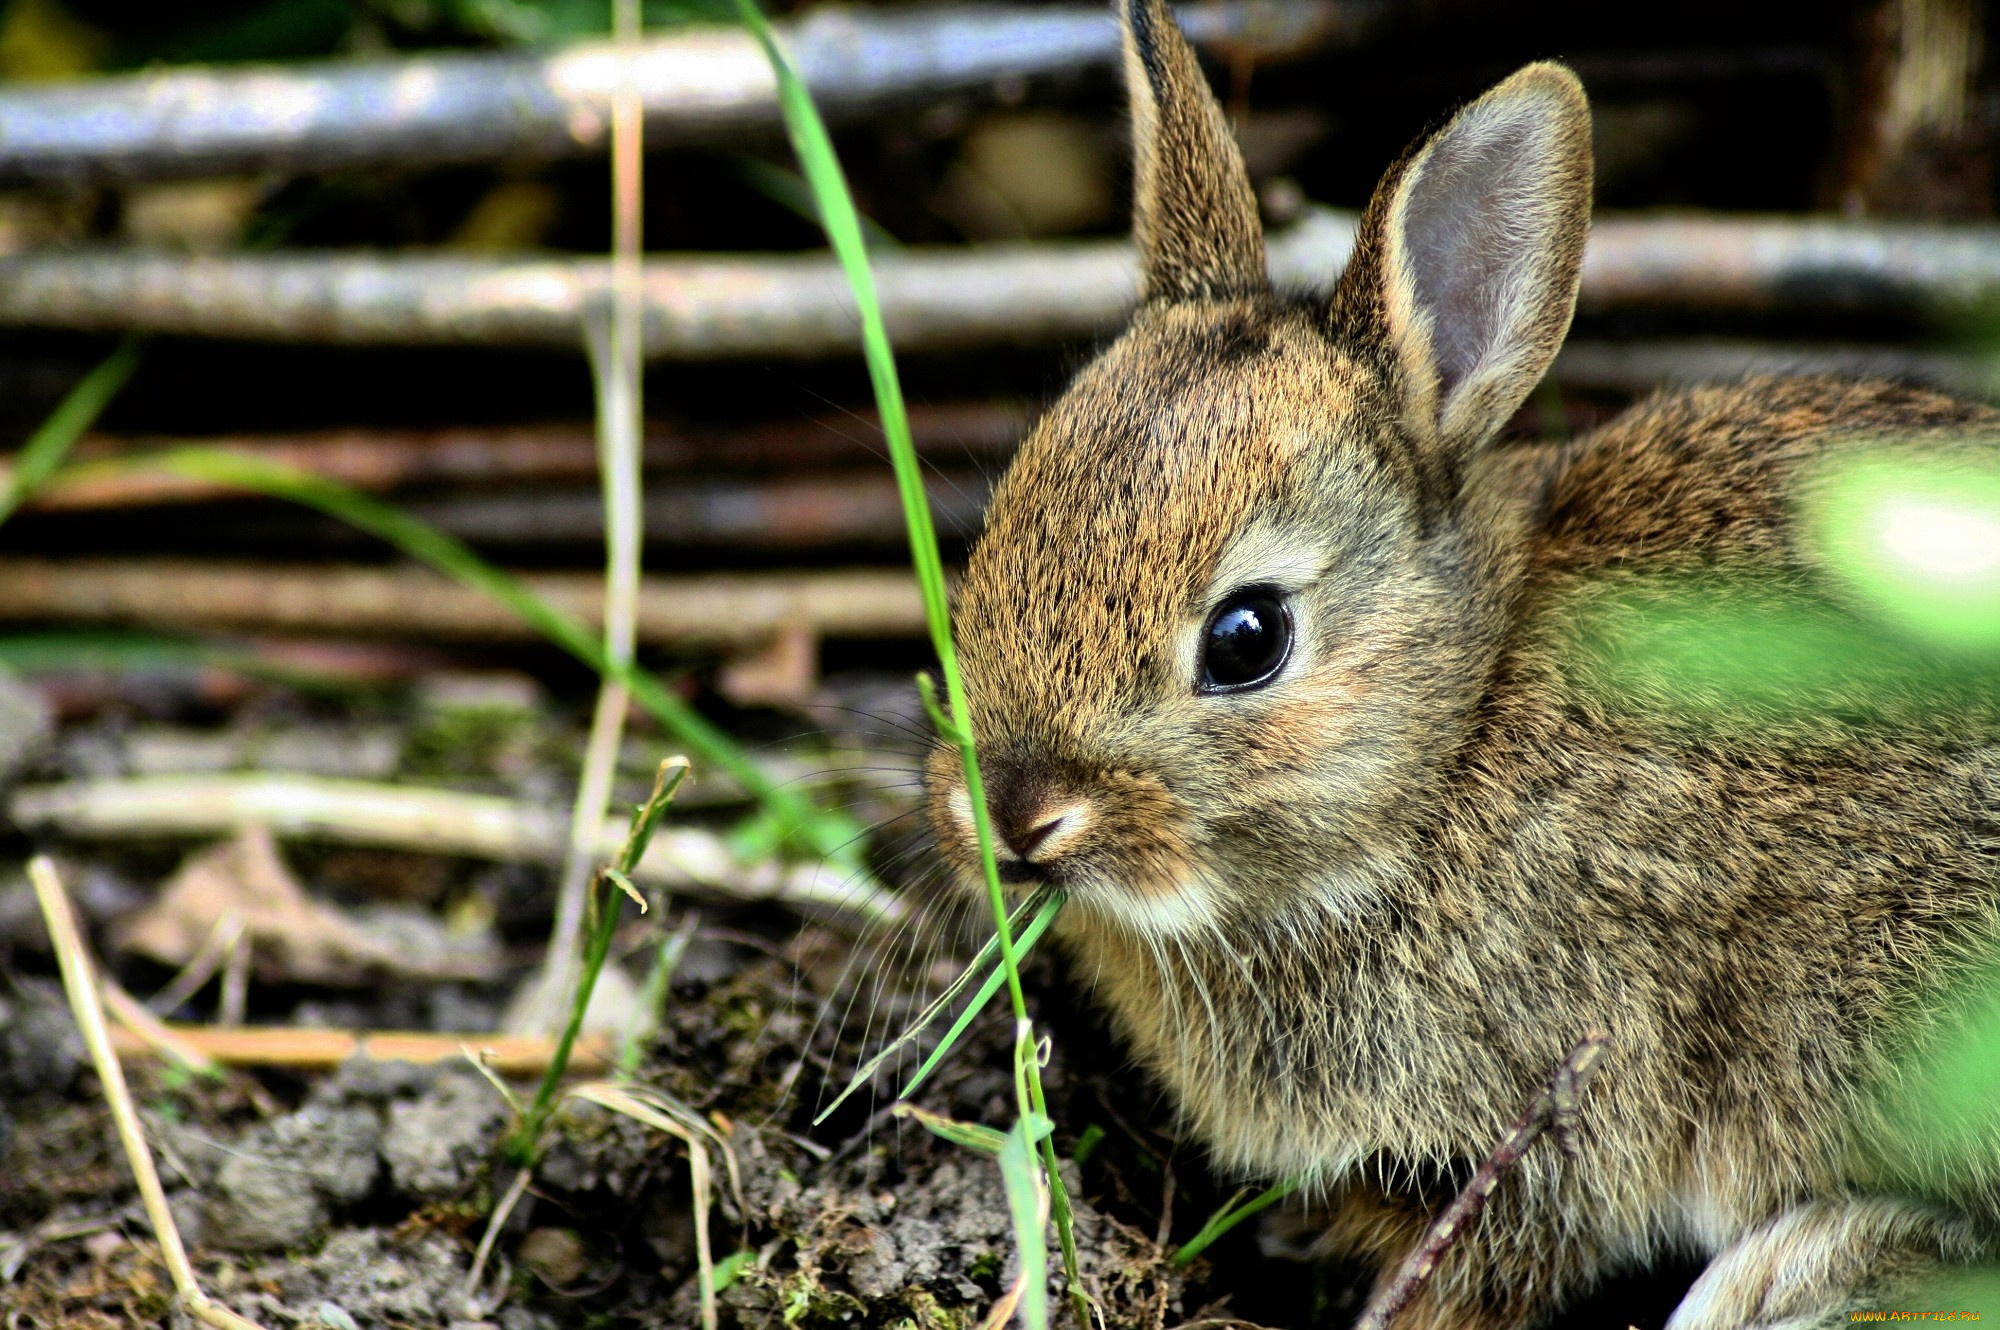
(1266, 653)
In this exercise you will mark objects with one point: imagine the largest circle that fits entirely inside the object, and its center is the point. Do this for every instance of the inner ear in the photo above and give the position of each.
(1480, 248)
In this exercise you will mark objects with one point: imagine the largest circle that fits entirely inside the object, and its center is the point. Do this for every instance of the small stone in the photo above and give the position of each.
(333, 1316)
(25, 725)
(557, 1255)
(262, 1203)
(39, 1048)
(336, 1147)
(436, 1146)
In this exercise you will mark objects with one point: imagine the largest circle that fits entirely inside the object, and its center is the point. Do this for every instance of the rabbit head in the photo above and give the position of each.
(1238, 593)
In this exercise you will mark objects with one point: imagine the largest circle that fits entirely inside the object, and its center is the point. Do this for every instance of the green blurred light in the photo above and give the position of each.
(1914, 536)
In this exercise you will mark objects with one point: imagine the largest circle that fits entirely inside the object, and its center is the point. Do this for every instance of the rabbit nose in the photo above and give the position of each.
(1042, 830)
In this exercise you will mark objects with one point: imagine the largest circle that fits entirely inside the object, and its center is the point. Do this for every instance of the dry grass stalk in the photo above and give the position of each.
(655, 1110)
(139, 1021)
(201, 966)
(615, 357)
(82, 989)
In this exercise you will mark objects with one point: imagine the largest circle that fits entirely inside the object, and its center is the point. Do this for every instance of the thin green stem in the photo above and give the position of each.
(814, 148)
(605, 902)
(1232, 1214)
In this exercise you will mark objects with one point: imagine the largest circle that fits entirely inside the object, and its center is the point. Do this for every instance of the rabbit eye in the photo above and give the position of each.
(1246, 641)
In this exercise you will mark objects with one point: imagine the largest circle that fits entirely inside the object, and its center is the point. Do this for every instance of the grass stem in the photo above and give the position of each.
(78, 981)
(616, 346)
(605, 901)
(842, 221)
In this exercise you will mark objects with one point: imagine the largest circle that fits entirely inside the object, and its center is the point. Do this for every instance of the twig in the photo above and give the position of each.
(433, 821)
(721, 610)
(695, 86)
(316, 1050)
(76, 972)
(502, 1211)
(378, 460)
(1554, 1106)
(721, 306)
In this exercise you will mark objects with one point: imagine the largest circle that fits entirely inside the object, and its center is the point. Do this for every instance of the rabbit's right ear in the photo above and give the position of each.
(1467, 260)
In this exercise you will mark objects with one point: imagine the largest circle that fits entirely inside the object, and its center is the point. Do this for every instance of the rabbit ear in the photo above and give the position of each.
(1467, 260)
(1194, 215)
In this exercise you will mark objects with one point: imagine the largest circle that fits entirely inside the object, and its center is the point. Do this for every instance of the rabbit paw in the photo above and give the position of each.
(1814, 1266)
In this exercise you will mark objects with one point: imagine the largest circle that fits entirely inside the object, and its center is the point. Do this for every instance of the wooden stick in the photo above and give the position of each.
(721, 306)
(383, 460)
(74, 960)
(720, 610)
(1554, 1106)
(696, 85)
(318, 1050)
(428, 821)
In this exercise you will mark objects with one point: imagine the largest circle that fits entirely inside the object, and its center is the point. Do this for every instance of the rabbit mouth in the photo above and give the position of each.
(1021, 873)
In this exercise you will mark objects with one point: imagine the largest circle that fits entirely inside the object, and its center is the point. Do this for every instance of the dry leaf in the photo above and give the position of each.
(293, 937)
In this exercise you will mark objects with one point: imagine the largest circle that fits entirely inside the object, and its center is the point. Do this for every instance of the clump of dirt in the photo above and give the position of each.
(360, 1201)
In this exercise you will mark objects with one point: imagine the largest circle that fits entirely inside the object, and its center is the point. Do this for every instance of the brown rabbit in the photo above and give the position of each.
(1266, 653)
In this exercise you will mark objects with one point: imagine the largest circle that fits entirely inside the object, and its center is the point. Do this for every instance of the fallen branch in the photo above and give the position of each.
(429, 821)
(383, 460)
(81, 986)
(318, 1050)
(839, 509)
(695, 85)
(1554, 1106)
(722, 306)
(722, 610)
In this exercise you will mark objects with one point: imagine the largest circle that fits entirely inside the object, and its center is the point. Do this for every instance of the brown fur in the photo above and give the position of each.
(1352, 919)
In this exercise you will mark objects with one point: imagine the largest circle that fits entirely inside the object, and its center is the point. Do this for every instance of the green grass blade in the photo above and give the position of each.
(825, 833)
(730, 1268)
(1051, 903)
(78, 411)
(971, 1135)
(1021, 1175)
(597, 948)
(1232, 1214)
(839, 216)
(978, 964)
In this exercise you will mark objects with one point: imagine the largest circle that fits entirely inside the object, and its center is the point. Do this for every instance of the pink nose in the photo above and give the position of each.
(1025, 843)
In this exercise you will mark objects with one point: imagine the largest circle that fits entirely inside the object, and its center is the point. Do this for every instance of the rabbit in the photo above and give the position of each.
(1265, 647)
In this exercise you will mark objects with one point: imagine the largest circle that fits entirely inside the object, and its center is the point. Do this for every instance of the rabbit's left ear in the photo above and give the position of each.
(1467, 260)
(1194, 214)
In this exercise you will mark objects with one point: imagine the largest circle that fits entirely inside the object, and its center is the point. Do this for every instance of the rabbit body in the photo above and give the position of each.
(1352, 916)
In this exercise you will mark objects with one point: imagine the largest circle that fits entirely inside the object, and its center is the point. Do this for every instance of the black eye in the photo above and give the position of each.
(1246, 641)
